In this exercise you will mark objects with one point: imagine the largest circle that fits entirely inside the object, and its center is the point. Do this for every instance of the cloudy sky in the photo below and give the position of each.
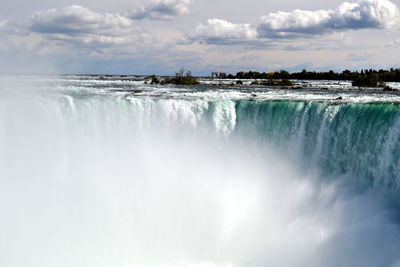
(160, 36)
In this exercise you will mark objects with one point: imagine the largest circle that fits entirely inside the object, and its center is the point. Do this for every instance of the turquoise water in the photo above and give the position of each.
(360, 140)
(106, 173)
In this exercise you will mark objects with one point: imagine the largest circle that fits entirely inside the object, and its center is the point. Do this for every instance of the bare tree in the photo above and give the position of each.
(180, 72)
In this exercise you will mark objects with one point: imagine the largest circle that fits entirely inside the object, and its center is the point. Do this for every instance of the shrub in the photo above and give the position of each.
(366, 80)
(181, 79)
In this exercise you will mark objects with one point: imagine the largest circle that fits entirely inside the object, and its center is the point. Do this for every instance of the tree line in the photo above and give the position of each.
(392, 75)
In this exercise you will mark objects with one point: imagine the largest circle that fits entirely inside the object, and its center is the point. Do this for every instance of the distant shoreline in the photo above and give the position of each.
(384, 75)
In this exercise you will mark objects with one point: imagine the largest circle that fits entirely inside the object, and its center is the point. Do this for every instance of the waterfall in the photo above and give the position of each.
(93, 176)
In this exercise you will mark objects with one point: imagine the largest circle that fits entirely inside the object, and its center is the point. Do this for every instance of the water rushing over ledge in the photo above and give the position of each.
(119, 173)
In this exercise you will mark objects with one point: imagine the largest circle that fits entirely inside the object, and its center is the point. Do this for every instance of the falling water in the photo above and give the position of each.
(93, 173)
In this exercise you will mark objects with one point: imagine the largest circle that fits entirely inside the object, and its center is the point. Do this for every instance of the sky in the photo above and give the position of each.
(162, 36)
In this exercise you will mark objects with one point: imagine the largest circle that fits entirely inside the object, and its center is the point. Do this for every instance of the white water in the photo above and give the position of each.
(105, 180)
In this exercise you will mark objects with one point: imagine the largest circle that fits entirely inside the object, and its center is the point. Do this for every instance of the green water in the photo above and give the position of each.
(356, 140)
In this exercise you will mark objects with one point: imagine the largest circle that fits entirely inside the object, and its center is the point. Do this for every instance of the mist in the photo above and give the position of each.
(89, 178)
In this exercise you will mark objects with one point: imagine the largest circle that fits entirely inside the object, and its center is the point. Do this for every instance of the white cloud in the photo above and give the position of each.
(78, 27)
(76, 31)
(6, 29)
(395, 44)
(3, 24)
(74, 20)
(161, 10)
(218, 30)
(363, 14)
(13, 37)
